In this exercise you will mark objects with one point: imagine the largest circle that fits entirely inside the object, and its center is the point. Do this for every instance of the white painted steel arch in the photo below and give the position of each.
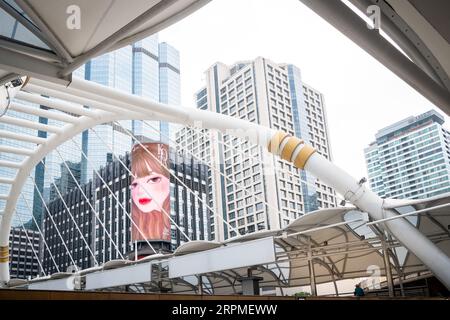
(107, 104)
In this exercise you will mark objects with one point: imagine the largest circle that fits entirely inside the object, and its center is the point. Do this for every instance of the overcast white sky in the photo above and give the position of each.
(361, 95)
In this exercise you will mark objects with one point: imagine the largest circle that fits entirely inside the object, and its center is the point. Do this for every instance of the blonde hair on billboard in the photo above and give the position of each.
(154, 225)
(143, 164)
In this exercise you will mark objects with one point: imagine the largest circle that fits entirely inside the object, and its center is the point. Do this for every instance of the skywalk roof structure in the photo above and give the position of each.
(335, 242)
(50, 39)
(419, 28)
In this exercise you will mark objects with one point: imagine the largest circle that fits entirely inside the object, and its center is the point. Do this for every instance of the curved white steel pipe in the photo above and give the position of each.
(92, 91)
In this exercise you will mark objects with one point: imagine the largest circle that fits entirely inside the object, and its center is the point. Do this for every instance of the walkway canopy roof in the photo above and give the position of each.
(341, 250)
(337, 241)
(49, 39)
(338, 250)
(420, 28)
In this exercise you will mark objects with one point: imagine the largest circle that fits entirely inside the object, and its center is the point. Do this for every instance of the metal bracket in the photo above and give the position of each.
(79, 283)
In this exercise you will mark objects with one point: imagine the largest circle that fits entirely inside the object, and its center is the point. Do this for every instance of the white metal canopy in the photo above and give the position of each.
(419, 28)
(39, 37)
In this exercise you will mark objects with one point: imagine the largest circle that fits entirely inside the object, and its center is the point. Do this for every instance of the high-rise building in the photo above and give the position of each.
(187, 211)
(69, 177)
(24, 253)
(273, 95)
(114, 69)
(169, 85)
(310, 124)
(410, 158)
(169, 74)
(146, 79)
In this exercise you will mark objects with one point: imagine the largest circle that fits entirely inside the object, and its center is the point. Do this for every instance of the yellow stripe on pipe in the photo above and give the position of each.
(303, 156)
(4, 249)
(3, 260)
(289, 148)
(275, 142)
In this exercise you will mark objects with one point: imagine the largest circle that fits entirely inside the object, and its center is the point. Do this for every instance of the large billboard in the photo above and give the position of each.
(150, 192)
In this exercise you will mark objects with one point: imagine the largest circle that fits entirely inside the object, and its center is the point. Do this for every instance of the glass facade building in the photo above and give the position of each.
(410, 158)
(114, 69)
(169, 84)
(169, 74)
(146, 69)
(301, 131)
(146, 80)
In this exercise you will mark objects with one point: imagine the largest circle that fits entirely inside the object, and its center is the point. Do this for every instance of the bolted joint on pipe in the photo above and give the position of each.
(290, 148)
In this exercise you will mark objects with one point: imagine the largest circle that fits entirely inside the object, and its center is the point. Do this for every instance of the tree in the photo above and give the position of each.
(302, 294)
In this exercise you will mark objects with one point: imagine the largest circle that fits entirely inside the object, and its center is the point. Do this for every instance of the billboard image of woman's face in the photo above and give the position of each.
(150, 192)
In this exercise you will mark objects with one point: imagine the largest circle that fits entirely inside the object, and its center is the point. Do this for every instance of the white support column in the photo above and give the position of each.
(312, 278)
(312, 274)
(200, 284)
(387, 266)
